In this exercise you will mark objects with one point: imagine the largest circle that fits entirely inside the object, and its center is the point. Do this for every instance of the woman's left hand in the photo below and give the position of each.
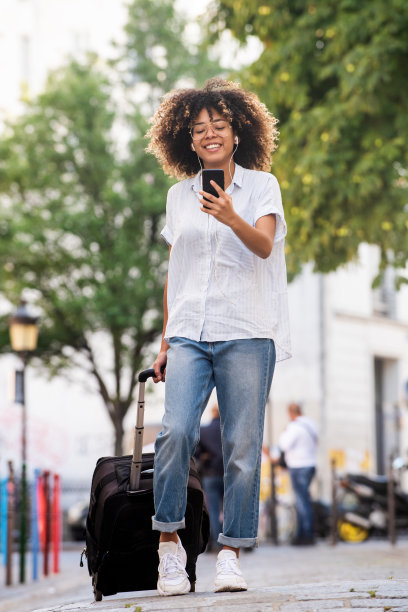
(221, 208)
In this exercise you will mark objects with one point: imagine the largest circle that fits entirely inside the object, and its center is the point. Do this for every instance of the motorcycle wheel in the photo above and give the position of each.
(351, 533)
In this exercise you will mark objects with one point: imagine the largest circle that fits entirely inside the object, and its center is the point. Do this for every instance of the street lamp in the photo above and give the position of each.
(23, 338)
(23, 329)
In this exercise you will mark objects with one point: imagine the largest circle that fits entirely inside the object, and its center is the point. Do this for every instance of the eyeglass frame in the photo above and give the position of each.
(208, 124)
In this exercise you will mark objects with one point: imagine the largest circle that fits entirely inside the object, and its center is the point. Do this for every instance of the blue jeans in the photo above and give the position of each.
(241, 371)
(301, 479)
(214, 493)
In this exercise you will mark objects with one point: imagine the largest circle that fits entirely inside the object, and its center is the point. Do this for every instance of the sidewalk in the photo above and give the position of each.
(367, 577)
(361, 596)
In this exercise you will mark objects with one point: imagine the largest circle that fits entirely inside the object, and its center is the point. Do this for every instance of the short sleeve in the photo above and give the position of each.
(270, 202)
(168, 230)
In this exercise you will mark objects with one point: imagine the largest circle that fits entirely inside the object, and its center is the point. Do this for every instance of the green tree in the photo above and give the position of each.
(335, 73)
(81, 229)
(82, 206)
(162, 52)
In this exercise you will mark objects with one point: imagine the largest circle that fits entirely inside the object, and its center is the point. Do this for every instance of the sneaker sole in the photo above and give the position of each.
(183, 591)
(229, 589)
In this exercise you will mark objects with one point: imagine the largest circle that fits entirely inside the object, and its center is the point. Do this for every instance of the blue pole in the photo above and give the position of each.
(35, 539)
(3, 520)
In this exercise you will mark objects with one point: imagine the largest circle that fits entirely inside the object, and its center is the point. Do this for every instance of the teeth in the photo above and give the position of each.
(214, 146)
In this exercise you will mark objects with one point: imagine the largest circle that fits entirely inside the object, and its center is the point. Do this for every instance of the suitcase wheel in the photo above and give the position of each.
(97, 593)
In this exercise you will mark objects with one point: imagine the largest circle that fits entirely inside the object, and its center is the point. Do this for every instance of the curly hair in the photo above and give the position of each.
(170, 137)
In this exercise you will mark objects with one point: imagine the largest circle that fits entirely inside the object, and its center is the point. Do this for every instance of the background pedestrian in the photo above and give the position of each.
(299, 443)
(209, 456)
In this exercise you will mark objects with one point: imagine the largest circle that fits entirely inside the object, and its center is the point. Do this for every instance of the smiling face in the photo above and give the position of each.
(213, 139)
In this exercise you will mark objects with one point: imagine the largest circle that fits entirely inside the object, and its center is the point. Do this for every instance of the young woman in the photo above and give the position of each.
(225, 310)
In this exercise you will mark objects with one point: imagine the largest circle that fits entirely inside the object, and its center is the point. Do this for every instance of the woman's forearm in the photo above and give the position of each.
(258, 239)
(161, 359)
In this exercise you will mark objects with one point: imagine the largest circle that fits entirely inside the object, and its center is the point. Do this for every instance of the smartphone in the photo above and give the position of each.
(212, 175)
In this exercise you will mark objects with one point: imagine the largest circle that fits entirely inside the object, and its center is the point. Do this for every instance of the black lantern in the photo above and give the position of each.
(23, 330)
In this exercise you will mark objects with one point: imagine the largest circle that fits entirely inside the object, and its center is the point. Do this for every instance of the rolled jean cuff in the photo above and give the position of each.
(237, 542)
(168, 527)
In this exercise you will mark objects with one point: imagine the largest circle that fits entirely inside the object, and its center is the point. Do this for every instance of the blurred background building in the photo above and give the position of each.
(37, 36)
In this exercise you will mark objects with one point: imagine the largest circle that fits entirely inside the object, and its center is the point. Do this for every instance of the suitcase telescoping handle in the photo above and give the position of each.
(136, 467)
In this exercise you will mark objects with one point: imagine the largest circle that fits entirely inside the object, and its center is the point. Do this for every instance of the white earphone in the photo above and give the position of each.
(192, 147)
(236, 140)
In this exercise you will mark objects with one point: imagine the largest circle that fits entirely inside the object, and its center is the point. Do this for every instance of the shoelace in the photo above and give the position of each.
(228, 566)
(171, 564)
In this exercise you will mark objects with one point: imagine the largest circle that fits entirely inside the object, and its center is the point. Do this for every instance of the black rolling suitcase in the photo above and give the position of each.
(121, 547)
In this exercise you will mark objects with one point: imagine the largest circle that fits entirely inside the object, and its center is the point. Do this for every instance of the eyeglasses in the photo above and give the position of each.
(218, 126)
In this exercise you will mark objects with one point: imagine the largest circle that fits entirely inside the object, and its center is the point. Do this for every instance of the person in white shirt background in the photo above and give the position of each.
(299, 443)
(225, 310)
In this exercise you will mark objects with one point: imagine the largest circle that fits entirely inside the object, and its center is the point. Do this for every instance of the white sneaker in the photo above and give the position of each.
(229, 576)
(173, 578)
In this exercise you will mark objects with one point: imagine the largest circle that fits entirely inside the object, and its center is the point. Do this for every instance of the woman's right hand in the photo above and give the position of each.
(161, 361)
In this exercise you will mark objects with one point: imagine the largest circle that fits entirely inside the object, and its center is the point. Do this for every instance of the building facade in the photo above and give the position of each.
(37, 36)
(349, 368)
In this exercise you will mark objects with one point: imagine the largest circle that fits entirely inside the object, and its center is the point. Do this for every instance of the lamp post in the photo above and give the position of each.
(23, 338)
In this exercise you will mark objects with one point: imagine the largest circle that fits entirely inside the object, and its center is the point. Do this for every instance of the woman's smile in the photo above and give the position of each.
(213, 146)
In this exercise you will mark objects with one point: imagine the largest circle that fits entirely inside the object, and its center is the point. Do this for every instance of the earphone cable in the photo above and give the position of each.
(217, 246)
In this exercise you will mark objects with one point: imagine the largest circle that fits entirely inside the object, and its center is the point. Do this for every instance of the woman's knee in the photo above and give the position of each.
(177, 436)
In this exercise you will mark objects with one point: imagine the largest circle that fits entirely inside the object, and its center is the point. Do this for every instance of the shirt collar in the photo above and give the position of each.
(237, 179)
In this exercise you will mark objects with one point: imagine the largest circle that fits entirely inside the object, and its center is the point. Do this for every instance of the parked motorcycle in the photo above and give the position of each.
(363, 507)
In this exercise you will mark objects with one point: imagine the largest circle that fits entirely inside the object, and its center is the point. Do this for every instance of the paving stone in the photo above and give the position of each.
(372, 609)
(312, 606)
(393, 589)
(377, 601)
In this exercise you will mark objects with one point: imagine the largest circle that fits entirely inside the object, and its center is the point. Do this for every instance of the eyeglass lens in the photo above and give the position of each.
(219, 126)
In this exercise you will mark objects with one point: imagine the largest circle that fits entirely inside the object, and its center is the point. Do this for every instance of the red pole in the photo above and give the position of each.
(41, 512)
(56, 524)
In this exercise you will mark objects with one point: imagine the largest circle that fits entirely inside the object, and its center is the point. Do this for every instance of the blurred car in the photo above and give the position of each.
(76, 519)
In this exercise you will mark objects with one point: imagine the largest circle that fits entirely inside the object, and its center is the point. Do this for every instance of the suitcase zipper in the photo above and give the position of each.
(84, 552)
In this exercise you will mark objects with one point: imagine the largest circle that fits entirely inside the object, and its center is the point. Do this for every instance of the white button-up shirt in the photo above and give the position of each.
(299, 443)
(217, 288)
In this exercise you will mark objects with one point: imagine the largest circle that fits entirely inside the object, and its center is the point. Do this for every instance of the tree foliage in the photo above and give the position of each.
(335, 73)
(82, 206)
(80, 226)
(161, 52)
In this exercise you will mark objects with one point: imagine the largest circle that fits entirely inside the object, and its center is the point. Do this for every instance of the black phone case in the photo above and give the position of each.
(212, 175)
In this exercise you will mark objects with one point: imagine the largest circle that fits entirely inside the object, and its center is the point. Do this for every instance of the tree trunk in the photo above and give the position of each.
(118, 428)
(120, 408)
